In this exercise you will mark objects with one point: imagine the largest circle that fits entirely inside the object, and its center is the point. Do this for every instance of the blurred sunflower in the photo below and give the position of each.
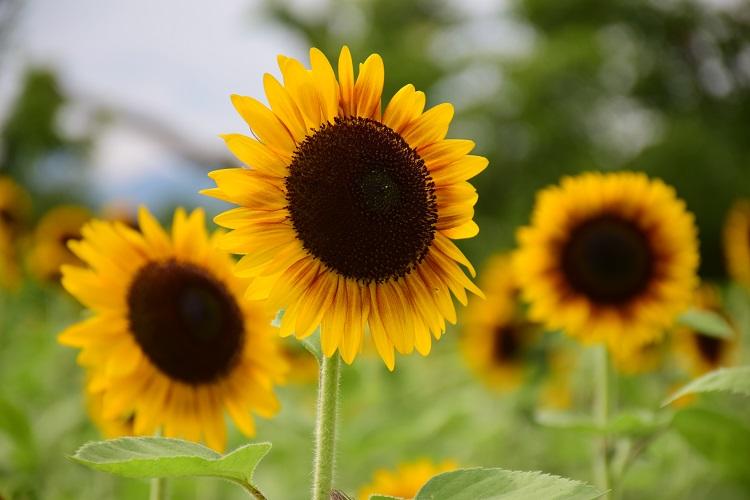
(633, 359)
(556, 392)
(54, 231)
(497, 338)
(121, 425)
(171, 341)
(15, 207)
(303, 367)
(701, 353)
(347, 214)
(737, 242)
(608, 258)
(406, 480)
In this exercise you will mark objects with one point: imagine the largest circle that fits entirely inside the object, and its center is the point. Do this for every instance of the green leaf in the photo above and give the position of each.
(720, 438)
(706, 323)
(736, 380)
(497, 484)
(150, 457)
(638, 423)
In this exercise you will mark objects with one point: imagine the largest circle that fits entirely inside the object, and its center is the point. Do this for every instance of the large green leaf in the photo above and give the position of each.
(720, 438)
(706, 323)
(499, 484)
(150, 457)
(736, 380)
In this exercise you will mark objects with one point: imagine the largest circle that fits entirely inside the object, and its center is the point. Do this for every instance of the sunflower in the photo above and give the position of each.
(303, 367)
(556, 392)
(346, 213)
(54, 231)
(737, 242)
(121, 425)
(406, 480)
(171, 340)
(497, 339)
(608, 258)
(635, 359)
(15, 206)
(701, 353)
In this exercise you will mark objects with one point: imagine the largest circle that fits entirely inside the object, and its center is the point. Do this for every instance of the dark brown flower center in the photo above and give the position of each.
(711, 349)
(608, 259)
(185, 321)
(507, 343)
(361, 200)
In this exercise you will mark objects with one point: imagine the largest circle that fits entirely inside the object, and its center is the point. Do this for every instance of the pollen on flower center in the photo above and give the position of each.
(361, 200)
(608, 259)
(185, 321)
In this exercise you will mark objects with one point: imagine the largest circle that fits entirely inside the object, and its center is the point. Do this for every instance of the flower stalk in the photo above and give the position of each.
(325, 427)
(601, 417)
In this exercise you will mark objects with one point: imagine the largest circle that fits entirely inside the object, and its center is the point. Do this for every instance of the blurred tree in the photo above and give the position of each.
(31, 132)
(658, 86)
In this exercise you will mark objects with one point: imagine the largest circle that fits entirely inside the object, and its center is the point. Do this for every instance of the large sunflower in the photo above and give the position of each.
(53, 232)
(608, 257)
(737, 242)
(700, 353)
(346, 213)
(406, 480)
(497, 339)
(171, 340)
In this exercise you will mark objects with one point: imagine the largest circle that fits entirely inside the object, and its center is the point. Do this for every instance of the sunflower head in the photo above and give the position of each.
(15, 208)
(497, 338)
(700, 353)
(406, 480)
(608, 258)
(633, 359)
(737, 242)
(346, 210)
(171, 341)
(54, 231)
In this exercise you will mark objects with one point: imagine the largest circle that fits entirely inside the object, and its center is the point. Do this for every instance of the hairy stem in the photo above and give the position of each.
(325, 427)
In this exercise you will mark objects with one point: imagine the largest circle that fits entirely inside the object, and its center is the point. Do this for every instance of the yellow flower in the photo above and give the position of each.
(346, 213)
(113, 427)
(303, 367)
(171, 340)
(54, 231)
(406, 480)
(633, 359)
(15, 206)
(737, 242)
(608, 258)
(557, 389)
(700, 353)
(497, 338)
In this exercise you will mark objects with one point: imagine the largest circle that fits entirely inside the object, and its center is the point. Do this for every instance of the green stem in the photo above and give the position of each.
(158, 489)
(325, 427)
(601, 415)
(254, 492)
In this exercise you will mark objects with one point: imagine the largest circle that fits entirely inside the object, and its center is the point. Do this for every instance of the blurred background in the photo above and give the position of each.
(107, 105)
